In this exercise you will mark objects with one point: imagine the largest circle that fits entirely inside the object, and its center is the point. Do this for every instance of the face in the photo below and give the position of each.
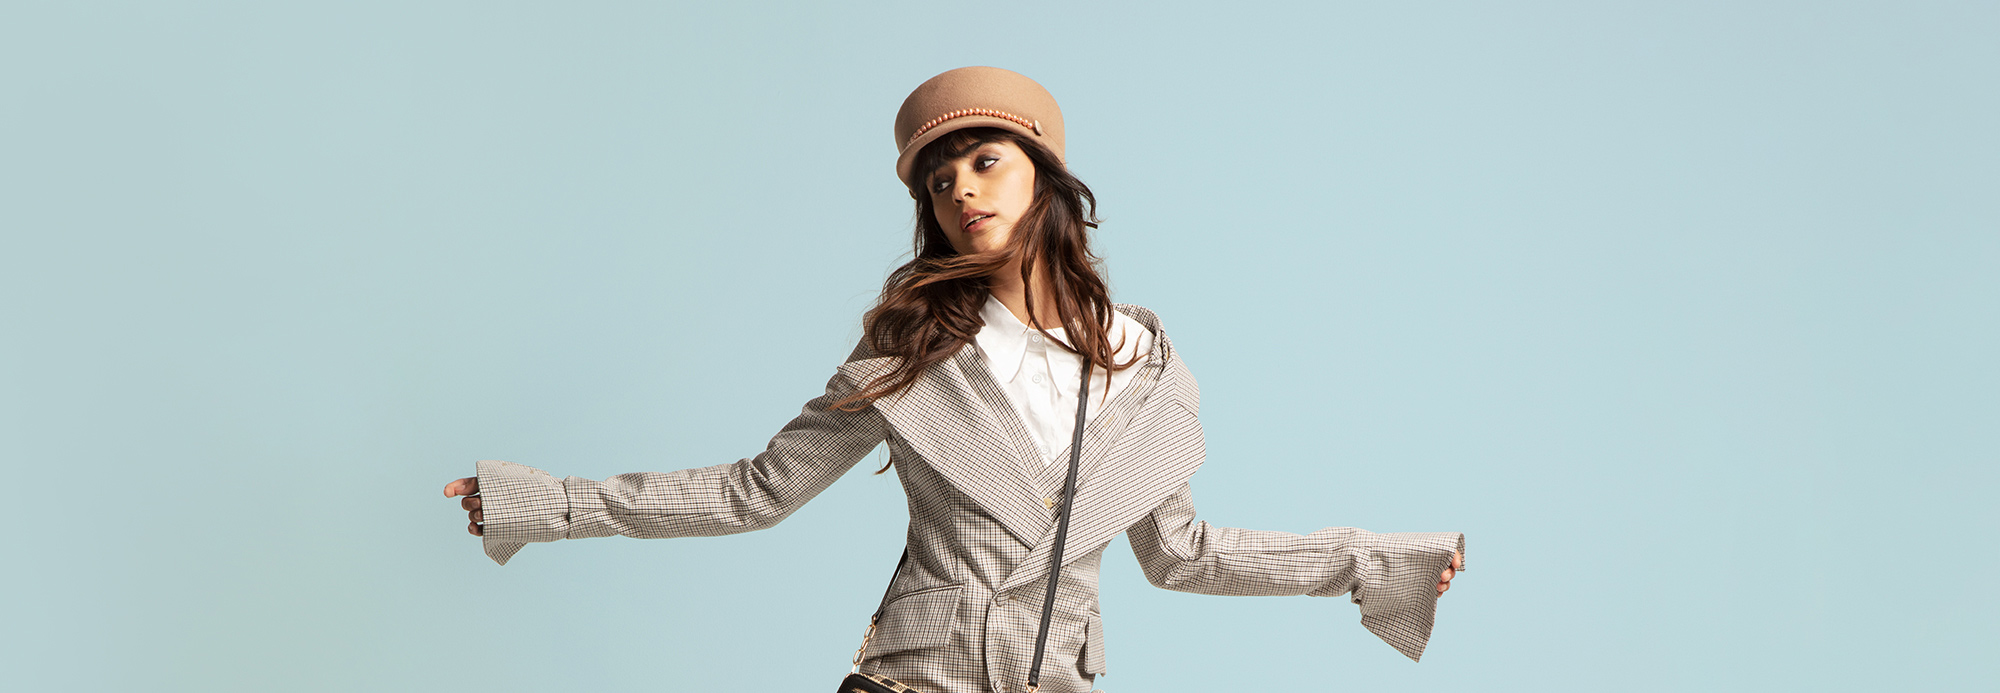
(977, 198)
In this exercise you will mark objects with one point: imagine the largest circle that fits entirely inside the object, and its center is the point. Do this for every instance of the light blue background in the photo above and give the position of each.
(1684, 313)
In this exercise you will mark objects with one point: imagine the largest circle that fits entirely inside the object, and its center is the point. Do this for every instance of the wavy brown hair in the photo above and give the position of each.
(929, 308)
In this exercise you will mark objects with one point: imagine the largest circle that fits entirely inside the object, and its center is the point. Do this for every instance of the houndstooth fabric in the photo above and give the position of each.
(963, 610)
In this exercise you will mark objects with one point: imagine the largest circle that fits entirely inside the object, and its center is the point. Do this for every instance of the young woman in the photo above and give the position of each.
(971, 370)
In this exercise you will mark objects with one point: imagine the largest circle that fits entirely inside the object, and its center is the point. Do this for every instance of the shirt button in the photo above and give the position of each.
(1037, 378)
(1036, 338)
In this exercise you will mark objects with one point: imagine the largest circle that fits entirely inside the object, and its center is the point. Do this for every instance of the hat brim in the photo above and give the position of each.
(908, 158)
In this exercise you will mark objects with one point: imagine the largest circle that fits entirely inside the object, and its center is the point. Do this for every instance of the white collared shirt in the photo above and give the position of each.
(1041, 379)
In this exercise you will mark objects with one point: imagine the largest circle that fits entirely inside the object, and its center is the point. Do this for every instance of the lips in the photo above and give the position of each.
(971, 218)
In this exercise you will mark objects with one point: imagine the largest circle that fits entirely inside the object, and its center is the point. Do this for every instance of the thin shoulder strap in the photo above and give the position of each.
(1062, 533)
(877, 618)
(892, 586)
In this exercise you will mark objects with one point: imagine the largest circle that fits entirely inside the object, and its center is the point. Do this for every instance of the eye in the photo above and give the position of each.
(985, 162)
(938, 186)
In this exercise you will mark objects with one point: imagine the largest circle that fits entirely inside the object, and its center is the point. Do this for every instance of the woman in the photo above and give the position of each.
(971, 369)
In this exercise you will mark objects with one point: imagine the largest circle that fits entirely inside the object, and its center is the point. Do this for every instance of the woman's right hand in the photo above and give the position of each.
(468, 487)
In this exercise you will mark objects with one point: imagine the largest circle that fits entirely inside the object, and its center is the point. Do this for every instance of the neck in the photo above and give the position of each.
(1011, 292)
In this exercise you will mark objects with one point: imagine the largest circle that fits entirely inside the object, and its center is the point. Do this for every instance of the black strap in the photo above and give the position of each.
(877, 618)
(872, 620)
(1062, 531)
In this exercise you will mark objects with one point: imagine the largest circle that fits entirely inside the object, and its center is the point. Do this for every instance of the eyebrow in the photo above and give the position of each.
(969, 151)
(954, 156)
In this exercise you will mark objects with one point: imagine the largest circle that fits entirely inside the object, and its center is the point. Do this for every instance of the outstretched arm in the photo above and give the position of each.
(519, 504)
(1395, 578)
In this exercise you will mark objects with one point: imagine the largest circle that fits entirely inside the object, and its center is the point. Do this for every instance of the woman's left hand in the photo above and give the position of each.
(1444, 580)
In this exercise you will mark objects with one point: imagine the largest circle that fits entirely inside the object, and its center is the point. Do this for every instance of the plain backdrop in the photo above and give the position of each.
(1685, 313)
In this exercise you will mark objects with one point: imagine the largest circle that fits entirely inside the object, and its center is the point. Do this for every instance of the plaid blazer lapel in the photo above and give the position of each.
(958, 431)
(1132, 467)
(1145, 445)
(1136, 454)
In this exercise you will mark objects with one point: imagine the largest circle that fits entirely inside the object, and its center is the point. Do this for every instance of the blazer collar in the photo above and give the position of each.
(958, 418)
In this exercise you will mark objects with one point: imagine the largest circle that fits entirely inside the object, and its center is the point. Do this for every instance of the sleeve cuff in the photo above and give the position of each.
(1398, 587)
(519, 504)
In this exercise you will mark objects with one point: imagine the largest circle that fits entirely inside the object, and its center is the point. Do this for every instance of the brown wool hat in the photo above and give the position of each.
(974, 97)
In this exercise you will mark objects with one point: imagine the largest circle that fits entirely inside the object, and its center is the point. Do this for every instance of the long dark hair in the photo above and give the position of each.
(929, 308)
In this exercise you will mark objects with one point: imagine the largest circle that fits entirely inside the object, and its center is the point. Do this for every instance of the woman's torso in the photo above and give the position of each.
(963, 610)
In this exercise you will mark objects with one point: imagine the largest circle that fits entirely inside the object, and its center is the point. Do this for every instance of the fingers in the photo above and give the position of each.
(1457, 558)
(1451, 571)
(462, 487)
(468, 487)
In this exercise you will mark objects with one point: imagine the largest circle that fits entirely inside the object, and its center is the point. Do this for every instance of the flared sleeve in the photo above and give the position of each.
(1392, 577)
(522, 504)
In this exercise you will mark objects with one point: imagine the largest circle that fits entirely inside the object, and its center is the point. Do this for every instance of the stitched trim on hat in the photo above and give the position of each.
(1034, 125)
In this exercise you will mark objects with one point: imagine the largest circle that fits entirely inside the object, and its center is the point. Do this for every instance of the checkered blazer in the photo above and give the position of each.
(961, 613)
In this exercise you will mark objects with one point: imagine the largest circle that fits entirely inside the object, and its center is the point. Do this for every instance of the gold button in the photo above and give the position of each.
(1051, 502)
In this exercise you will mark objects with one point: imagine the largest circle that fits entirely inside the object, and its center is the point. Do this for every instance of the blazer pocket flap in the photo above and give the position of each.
(917, 620)
(1092, 660)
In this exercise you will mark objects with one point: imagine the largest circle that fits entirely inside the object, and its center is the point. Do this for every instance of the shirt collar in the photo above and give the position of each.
(1004, 339)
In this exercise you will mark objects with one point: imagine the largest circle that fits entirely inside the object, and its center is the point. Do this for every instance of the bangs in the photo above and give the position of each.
(951, 146)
